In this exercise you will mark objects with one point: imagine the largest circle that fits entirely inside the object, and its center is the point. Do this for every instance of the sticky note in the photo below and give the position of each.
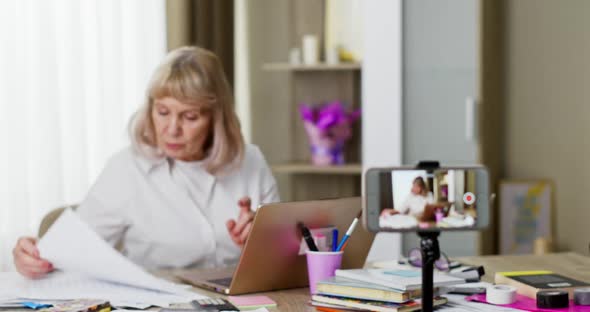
(252, 302)
(403, 273)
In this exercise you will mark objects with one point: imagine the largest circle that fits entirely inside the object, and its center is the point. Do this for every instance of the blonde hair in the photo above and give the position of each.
(193, 75)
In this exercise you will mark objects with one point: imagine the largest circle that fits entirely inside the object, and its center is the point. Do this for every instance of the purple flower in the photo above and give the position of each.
(328, 127)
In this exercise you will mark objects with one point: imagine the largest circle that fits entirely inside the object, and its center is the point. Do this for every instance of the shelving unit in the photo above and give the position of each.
(279, 87)
(304, 168)
(315, 85)
(317, 67)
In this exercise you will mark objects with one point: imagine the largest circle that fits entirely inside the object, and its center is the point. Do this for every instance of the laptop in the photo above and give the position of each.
(271, 258)
(429, 214)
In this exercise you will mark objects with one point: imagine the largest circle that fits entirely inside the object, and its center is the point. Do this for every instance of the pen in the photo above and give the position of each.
(334, 239)
(348, 233)
(307, 236)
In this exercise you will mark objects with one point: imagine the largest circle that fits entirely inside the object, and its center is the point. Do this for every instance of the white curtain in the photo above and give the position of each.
(71, 74)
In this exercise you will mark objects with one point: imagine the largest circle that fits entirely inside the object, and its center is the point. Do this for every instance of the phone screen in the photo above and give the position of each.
(401, 199)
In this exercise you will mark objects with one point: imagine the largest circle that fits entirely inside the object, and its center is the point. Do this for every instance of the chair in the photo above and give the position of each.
(50, 218)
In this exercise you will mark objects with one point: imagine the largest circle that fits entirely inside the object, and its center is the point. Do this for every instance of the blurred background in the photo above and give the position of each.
(501, 83)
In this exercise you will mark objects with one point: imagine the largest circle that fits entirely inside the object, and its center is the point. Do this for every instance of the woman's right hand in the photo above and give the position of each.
(27, 260)
(388, 212)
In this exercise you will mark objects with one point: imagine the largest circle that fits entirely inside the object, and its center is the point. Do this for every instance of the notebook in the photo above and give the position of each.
(402, 280)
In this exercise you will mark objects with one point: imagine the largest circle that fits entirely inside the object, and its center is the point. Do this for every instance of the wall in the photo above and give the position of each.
(548, 106)
(382, 95)
(242, 68)
(269, 93)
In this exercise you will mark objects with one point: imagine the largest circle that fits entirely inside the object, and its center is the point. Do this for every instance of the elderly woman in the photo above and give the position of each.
(170, 198)
(415, 202)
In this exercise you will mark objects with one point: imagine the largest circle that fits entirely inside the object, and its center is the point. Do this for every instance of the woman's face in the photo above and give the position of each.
(181, 129)
(416, 189)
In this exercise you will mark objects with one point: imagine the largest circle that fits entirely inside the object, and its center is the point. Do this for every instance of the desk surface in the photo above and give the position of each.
(569, 264)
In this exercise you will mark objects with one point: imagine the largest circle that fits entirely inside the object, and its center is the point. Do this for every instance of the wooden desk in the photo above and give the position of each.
(287, 300)
(569, 264)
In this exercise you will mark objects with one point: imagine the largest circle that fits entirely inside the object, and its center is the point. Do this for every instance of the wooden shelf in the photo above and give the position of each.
(302, 168)
(317, 67)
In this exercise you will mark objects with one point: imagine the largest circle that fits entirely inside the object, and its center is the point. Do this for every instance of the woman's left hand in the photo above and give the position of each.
(240, 228)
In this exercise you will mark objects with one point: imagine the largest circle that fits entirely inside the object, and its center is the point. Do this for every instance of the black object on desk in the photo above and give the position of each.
(307, 236)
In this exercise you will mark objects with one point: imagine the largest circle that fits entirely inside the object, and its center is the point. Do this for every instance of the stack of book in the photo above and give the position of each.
(375, 290)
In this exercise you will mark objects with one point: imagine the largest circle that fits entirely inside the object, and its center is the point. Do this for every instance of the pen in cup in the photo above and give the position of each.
(307, 237)
(348, 233)
(334, 239)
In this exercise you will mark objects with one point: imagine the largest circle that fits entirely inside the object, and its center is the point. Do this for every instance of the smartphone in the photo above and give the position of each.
(408, 199)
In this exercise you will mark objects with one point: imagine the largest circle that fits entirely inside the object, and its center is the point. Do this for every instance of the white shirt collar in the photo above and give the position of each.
(148, 163)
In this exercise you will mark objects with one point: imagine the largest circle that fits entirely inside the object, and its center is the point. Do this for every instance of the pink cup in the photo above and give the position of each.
(439, 216)
(321, 265)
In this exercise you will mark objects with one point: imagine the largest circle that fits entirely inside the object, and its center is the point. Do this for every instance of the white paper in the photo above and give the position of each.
(71, 246)
(88, 267)
(67, 286)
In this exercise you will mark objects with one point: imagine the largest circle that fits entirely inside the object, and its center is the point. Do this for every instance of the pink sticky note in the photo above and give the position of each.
(528, 304)
(251, 301)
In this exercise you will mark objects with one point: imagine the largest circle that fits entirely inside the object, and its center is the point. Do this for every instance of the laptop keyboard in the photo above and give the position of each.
(222, 281)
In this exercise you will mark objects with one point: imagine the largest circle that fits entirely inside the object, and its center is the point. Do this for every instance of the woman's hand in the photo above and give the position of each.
(27, 260)
(240, 229)
(389, 212)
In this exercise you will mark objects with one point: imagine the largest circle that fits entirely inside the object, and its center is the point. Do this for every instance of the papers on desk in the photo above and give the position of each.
(91, 268)
(398, 221)
(66, 286)
(71, 246)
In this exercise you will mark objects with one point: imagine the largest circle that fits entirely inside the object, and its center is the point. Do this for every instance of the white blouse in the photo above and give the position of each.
(170, 213)
(414, 204)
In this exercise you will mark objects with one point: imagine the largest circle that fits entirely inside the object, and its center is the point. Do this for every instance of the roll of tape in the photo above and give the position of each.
(501, 294)
(552, 299)
(582, 296)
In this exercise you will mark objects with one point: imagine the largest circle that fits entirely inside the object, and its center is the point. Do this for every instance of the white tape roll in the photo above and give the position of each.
(582, 296)
(501, 294)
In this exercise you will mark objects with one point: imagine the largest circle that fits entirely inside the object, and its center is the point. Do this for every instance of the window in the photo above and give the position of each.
(73, 73)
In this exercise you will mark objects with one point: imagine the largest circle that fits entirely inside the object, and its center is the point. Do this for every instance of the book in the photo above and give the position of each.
(326, 307)
(528, 283)
(402, 280)
(344, 287)
(373, 305)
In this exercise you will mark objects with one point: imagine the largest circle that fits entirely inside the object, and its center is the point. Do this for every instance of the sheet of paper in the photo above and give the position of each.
(72, 246)
(64, 286)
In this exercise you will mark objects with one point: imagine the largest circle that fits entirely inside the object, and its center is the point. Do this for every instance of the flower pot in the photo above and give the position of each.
(331, 153)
